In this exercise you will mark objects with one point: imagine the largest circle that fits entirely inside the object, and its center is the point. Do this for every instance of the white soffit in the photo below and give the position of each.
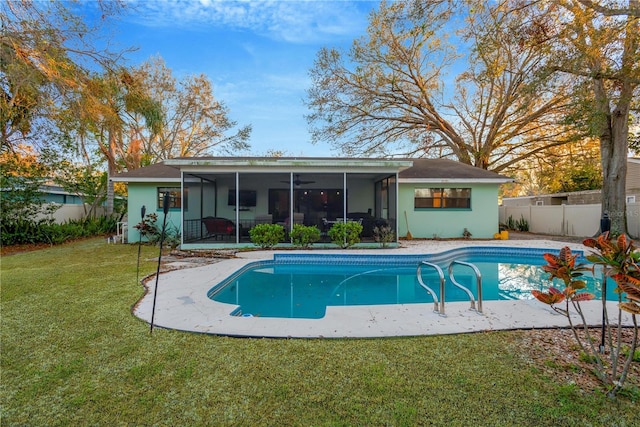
(454, 180)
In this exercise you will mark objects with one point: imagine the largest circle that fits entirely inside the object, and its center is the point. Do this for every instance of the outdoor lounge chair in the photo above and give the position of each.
(219, 227)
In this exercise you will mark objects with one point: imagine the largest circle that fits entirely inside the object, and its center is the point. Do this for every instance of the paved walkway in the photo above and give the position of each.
(182, 304)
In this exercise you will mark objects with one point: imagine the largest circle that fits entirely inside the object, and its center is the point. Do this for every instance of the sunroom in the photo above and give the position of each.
(222, 199)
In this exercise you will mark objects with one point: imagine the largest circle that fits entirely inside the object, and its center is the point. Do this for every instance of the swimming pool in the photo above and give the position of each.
(303, 285)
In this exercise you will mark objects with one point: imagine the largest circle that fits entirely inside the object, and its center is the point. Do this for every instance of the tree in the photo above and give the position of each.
(571, 167)
(600, 45)
(88, 185)
(104, 115)
(23, 173)
(387, 96)
(195, 122)
(45, 52)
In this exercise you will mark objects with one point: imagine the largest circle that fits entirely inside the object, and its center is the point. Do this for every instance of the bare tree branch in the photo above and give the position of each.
(632, 10)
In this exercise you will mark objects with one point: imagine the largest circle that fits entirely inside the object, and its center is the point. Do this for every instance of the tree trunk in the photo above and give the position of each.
(614, 131)
(111, 171)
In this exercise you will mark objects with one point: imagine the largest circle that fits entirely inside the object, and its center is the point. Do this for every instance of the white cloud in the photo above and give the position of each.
(295, 21)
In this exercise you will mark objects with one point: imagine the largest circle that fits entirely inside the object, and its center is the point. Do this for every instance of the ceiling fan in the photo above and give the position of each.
(298, 182)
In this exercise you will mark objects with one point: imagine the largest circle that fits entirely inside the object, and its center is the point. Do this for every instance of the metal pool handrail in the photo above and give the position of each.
(428, 289)
(478, 282)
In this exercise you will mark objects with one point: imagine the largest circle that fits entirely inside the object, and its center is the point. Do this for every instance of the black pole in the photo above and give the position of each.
(165, 208)
(605, 227)
(143, 210)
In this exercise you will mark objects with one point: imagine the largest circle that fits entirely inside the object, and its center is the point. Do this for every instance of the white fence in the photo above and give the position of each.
(68, 211)
(567, 220)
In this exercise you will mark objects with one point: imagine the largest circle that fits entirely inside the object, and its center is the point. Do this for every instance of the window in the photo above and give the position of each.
(175, 197)
(442, 198)
(631, 199)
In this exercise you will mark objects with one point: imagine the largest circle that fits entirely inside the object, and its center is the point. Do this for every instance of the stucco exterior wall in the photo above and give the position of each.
(147, 194)
(481, 220)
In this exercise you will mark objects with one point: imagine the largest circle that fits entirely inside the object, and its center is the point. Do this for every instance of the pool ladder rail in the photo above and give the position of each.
(439, 306)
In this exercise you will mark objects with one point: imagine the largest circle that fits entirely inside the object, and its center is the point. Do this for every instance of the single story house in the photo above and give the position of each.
(53, 193)
(215, 201)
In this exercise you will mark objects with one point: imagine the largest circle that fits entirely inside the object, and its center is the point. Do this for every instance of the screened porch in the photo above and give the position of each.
(222, 207)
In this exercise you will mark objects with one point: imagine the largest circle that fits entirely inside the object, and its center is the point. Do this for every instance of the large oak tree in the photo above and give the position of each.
(394, 92)
(599, 44)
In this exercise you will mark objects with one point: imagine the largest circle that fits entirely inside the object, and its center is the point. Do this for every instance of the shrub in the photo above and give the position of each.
(148, 228)
(511, 223)
(266, 235)
(304, 236)
(24, 231)
(522, 224)
(383, 235)
(345, 234)
(466, 234)
(172, 237)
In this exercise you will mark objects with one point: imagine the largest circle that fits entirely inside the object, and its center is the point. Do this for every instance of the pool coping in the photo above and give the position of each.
(182, 303)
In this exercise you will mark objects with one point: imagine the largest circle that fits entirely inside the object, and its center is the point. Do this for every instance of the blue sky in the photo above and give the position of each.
(257, 54)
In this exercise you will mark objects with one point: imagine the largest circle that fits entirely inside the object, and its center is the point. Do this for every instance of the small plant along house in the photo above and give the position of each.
(216, 201)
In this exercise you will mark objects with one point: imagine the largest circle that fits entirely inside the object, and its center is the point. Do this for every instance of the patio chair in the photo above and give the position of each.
(218, 227)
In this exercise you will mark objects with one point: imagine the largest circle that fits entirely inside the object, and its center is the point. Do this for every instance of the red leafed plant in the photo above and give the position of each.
(563, 266)
(619, 260)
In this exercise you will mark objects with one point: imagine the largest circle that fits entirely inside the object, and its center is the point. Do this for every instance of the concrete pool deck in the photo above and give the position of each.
(182, 303)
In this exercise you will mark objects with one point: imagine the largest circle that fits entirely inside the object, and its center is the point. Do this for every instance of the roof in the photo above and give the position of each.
(410, 170)
(290, 164)
(153, 173)
(444, 170)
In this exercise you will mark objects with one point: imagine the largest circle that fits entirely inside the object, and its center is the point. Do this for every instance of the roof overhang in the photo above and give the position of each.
(454, 180)
(145, 179)
(288, 165)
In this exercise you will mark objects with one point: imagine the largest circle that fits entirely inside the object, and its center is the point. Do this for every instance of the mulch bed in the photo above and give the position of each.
(557, 354)
(18, 249)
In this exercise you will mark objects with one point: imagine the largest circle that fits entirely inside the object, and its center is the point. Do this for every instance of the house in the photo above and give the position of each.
(215, 201)
(67, 206)
(53, 193)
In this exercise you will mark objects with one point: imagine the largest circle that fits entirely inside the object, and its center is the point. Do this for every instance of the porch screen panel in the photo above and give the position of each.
(392, 190)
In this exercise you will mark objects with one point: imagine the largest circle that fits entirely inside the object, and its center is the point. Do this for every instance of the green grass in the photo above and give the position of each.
(73, 354)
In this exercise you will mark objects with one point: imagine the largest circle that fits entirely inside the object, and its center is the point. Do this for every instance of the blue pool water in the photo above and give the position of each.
(303, 285)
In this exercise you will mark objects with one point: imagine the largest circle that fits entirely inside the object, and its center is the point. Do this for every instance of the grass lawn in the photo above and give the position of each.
(73, 354)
